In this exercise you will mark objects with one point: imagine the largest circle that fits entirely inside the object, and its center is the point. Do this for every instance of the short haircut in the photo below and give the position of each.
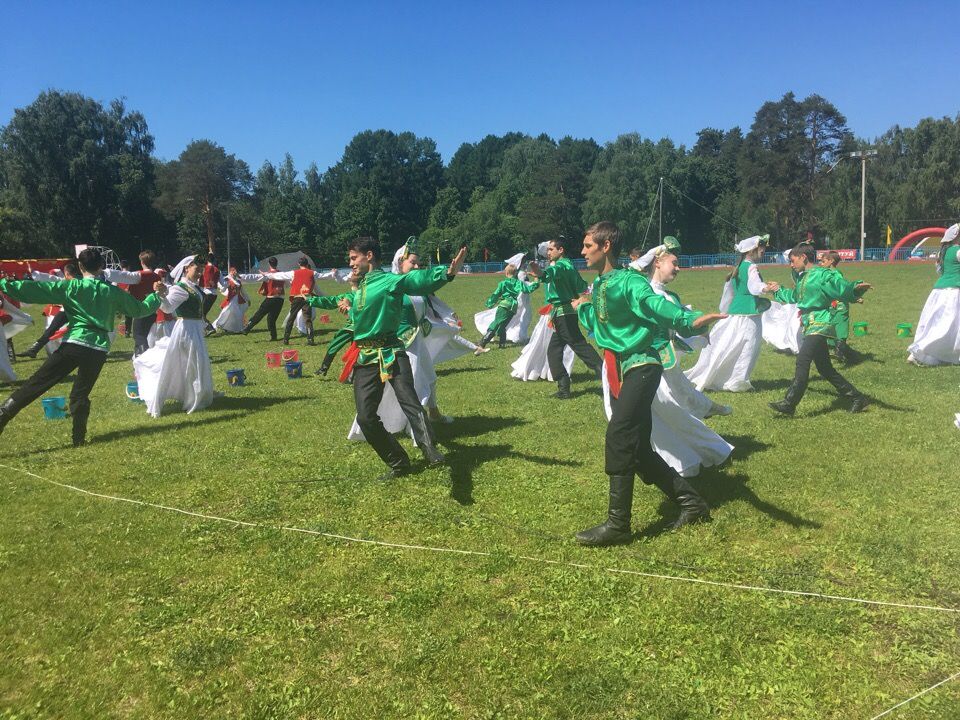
(124, 264)
(606, 231)
(272, 262)
(304, 262)
(90, 260)
(148, 258)
(210, 258)
(561, 243)
(833, 256)
(804, 250)
(364, 245)
(636, 253)
(71, 267)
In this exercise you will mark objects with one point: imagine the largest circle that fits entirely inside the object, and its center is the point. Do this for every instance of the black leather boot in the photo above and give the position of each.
(788, 405)
(80, 412)
(247, 328)
(693, 508)
(310, 338)
(31, 352)
(616, 530)
(423, 434)
(563, 389)
(7, 411)
(324, 366)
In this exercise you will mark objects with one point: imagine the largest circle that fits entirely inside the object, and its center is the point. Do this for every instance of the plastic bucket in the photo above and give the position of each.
(291, 355)
(133, 391)
(274, 360)
(325, 318)
(860, 328)
(294, 369)
(236, 377)
(904, 330)
(54, 408)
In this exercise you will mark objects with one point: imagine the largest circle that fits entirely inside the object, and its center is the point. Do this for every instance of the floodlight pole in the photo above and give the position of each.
(863, 155)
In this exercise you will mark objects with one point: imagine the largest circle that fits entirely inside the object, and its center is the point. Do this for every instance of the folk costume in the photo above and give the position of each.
(232, 308)
(302, 285)
(272, 292)
(533, 363)
(937, 341)
(178, 367)
(91, 305)
(781, 324)
(139, 284)
(209, 282)
(728, 360)
(508, 310)
(12, 321)
(816, 293)
(628, 319)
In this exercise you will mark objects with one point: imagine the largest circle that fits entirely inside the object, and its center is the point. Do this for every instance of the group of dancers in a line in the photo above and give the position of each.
(398, 330)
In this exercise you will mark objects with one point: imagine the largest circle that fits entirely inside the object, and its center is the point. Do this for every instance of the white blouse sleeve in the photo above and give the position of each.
(286, 276)
(754, 283)
(122, 276)
(175, 297)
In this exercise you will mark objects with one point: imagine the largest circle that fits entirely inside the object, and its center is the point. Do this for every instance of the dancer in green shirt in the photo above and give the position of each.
(91, 305)
(506, 299)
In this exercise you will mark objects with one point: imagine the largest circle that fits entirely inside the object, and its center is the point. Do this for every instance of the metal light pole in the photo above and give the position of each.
(863, 155)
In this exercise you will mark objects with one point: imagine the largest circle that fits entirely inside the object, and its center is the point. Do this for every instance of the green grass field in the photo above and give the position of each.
(113, 610)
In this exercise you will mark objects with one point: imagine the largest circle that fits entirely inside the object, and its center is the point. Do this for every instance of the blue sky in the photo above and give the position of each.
(263, 79)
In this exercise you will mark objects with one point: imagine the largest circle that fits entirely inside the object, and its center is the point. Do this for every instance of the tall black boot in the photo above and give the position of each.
(482, 347)
(423, 434)
(788, 405)
(324, 366)
(31, 352)
(310, 337)
(80, 412)
(563, 389)
(7, 411)
(847, 390)
(693, 508)
(616, 530)
(11, 353)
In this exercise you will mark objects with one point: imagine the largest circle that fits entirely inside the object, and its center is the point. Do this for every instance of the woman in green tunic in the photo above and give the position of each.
(938, 332)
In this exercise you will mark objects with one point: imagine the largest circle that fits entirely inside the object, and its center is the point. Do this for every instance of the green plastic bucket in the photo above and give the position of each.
(860, 328)
(904, 330)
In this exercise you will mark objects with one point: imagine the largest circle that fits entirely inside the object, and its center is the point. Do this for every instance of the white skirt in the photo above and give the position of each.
(6, 369)
(938, 332)
(728, 360)
(159, 330)
(301, 323)
(176, 368)
(518, 329)
(682, 440)
(230, 318)
(782, 328)
(532, 363)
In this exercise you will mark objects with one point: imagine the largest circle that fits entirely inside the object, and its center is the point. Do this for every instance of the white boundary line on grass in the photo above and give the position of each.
(482, 553)
(919, 694)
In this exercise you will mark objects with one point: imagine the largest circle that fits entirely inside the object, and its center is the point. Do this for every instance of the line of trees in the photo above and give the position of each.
(73, 171)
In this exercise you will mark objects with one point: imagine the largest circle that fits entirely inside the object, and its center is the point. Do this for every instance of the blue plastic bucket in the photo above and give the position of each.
(133, 391)
(236, 377)
(294, 369)
(55, 408)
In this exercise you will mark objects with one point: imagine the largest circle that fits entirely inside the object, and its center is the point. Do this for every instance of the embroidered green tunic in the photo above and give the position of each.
(562, 284)
(90, 305)
(815, 294)
(508, 293)
(951, 269)
(628, 318)
(745, 302)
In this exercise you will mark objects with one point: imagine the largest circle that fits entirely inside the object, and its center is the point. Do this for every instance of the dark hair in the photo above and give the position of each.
(834, 257)
(210, 258)
(71, 267)
(272, 262)
(304, 262)
(90, 260)
(606, 231)
(148, 258)
(636, 252)
(124, 264)
(364, 245)
(561, 243)
(804, 250)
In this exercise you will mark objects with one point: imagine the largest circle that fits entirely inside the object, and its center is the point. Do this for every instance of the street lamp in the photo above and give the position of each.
(862, 155)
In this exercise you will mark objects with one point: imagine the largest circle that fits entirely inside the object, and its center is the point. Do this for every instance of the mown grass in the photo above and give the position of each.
(113, 610)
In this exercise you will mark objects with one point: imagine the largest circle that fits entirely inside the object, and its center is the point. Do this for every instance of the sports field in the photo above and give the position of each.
(474, 601)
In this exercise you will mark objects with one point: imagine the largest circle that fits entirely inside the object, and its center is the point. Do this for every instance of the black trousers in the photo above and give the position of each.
(627, 448)
(270, 307)
(141, 328)
(567, 332)
(59, 320)
(298, 304)
(368, 391)
(67, 358)
(816, 350)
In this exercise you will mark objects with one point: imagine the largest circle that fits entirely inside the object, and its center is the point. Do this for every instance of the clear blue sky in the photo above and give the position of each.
(263, 79)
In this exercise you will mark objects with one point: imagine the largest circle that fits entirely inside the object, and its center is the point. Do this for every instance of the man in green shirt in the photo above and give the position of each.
(563, 286)
(377, 311)
(630, 322)
(90, 305)
(818, 291)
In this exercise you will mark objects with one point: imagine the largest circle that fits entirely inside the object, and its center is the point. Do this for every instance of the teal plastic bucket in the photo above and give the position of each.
(133, 392)
(294, 369)
(54, 408)
(236, 377)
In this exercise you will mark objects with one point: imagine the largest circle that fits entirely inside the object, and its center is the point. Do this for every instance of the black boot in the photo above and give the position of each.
(860, 401)
(31, 352)
(7, 412)
(693, 508)
(247, 328)
(788, 405)
(310, 338)
(563, 389)
(80, 412)
(423, 434)
(324, 366)
(616, 530)
(11, 353)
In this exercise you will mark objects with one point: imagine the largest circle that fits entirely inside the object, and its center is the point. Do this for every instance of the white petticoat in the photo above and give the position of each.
(6, 369)
(782, 327)
(159, 330)
(176, 368)
(532, 363)
(230, 318)
(682, 440)
(728, 360)
(937, 340)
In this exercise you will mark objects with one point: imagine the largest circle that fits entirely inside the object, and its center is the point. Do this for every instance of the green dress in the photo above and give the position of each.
(816, 296)
(506, 299)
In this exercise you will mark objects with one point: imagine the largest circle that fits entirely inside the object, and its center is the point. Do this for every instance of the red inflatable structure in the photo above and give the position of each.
(18, 268)
(915, 235)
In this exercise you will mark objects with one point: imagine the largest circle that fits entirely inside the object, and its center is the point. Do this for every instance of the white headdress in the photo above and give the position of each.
(542, 248)
(951, 234)
(515, 260)
(177, 271)
(643, 262)
(751, 243)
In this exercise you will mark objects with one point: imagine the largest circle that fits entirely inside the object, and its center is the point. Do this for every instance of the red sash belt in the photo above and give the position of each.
(349, 360)
(613, 372)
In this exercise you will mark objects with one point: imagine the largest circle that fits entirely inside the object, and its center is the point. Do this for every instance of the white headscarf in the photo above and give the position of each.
(177, 272)
(751, 243)
(951, 234)
(542, 248)
(643, 262)
(515, 260)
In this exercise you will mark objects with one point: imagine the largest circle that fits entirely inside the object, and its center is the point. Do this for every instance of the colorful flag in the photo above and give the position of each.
(889, 235)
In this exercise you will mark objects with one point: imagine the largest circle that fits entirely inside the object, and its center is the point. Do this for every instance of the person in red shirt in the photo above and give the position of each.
(209, 282)
(139, 284)
(272, 292)
(302, 283)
